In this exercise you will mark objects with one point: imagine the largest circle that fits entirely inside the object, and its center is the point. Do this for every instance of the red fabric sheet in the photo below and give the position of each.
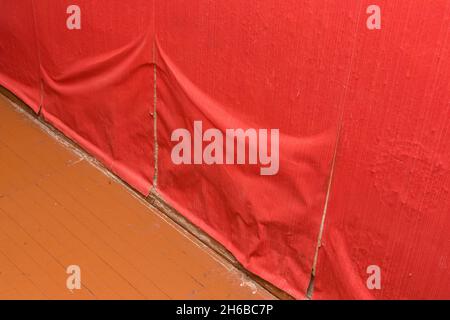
(19, 55)
(389, 203)
(369, 107)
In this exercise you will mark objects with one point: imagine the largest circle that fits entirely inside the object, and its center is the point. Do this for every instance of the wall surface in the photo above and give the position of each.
(345, 127)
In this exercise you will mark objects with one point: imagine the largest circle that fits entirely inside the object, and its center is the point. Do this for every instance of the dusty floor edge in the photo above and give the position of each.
(159, 203)
(154, 201)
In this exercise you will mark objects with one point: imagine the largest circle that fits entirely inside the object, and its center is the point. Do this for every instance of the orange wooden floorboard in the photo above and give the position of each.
(58, 209)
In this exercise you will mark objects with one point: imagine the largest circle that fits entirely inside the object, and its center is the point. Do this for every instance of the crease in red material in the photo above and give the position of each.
(94, 83)
(307, 68)
(271, 223)
(202, 188)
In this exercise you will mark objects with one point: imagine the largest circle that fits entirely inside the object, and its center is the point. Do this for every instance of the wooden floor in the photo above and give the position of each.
(57, 209)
